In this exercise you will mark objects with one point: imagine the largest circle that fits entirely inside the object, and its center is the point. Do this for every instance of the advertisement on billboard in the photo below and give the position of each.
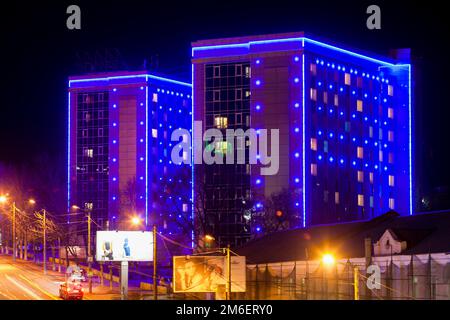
(72, 252)
(207, 273)
(124, 246)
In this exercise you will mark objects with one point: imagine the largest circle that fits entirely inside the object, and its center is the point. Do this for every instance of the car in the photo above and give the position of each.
(71, 290)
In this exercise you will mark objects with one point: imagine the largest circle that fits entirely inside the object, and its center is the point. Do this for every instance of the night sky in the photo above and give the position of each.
(39, 53)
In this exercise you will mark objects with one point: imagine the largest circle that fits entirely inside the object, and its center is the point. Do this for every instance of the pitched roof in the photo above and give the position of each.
(424, 233)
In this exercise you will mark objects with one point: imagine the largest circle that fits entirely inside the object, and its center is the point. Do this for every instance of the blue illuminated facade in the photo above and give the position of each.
(345, 121)
(119, 155)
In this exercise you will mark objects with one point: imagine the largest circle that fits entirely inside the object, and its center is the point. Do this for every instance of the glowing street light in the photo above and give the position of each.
(209, 238)
(32, 201)
(136, 221)
(3, 199)
(328, 259)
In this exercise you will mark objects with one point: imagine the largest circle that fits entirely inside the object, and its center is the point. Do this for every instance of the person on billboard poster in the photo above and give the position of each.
(191, 277)
(107, 250)
(126, 248)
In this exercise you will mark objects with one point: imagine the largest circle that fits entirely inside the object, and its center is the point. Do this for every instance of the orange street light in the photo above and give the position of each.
(328, 259)
(32, 201)
(136, 220)
(209, 238)
(75, 207)
(3, 199)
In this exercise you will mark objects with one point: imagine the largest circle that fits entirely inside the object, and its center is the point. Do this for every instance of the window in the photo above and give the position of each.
(100, 132)
(88, 152)
(100, 168)
(390, 136)
(216, 73)
(248, 72)
(347, 79)
(391, 204)
(313, 94)
(336, 197)
(359, 82)
(313, 69)
(84, 133)
(360, 176)
(391, 181)
(370, 132)
(380, 155)
(314, 144)
(221, 122)
(247, 93)
(371, 201)
(100, 114)
(155, 97)
(359, 105)
(100, 150)
(380, 134)
(347, 126)
(391, 157)
(360, 200)
(336, 100)
(185, 207)
(154, 133)
(325, 97)
(313, 169)
(325, 146)
(325, 196)
(238, 94)
(360, 152)
(238, 118)
(216, 95)
(371, 177)
(390, 90)
(391, 113)
(238, 70)
(100, 97)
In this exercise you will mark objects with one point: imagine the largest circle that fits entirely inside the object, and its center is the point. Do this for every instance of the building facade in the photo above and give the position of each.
(119, 152)
(344, 120)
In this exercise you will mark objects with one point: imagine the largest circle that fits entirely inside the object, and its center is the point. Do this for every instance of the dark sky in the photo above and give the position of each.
(39, 53)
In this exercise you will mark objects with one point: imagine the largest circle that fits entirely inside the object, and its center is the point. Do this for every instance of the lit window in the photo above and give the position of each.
(390, 135)
(154, 133)
(360, 152)
(89, 153)
(380, 134)
(155, 97)
(221, 146)
(391, 181)
(336, 100)
(248, 72)
(371, 177)
(221, 122)
(391, 203)
(391, 157)
(380, 155)
(347, 79)
(336, 197)
(313, 169)
(360, 200)
(390, 113)
(325, 146)
(314, 144)
(313, 69)
(359, 105)
(360, 176)
(390, 90)
(238, 94)
(325, 97)
(185, 207)
(313, 94)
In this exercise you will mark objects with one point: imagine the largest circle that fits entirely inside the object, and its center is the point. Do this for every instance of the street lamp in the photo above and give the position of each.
(328, 259)
(31, 201)
(3, 199)
(136, 221)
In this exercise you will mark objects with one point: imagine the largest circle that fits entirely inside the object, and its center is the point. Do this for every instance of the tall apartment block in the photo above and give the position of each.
(119, 151)
(345, 122)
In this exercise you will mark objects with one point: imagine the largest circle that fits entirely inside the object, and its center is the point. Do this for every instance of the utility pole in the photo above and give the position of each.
(89, 252)
(155, 284)
(229, 273)
(14, 229)
(356, 282)
(45, 242)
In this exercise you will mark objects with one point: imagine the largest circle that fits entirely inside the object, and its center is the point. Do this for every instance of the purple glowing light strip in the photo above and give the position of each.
(299, 39)
(304, 132)
(68, 157)
(146, 76)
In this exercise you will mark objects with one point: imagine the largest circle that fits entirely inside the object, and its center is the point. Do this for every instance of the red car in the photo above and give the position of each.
(71, 290)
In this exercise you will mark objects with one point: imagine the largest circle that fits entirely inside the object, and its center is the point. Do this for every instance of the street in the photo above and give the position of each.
(24, 280)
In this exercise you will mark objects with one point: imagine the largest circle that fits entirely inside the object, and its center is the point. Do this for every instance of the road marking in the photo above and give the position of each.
(39, 288)
(29, 292)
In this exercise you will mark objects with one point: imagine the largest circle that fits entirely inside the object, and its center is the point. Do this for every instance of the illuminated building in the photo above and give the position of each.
(119, 150)
(345, 121)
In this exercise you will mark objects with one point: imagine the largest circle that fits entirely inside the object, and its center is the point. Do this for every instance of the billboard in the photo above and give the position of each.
(207, 273)
(72, 252)
(124, 246)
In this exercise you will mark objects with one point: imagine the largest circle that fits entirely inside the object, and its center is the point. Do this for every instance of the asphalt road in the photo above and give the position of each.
(22, 280)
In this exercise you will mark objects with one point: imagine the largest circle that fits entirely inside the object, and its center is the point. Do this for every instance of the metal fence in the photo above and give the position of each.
(402, 277)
